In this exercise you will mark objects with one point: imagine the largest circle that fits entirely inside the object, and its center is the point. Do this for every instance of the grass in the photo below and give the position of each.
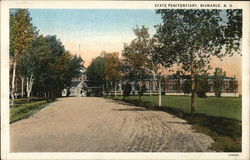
(22, 109)
(227, 107)
(219, 118)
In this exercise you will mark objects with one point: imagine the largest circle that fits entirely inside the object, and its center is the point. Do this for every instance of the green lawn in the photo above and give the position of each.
(228, 107)
(22, 109)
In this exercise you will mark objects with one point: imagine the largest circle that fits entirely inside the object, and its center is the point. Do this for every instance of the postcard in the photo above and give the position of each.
(125, 79)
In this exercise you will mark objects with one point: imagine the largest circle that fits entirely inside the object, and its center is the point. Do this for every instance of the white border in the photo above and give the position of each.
(5, 154)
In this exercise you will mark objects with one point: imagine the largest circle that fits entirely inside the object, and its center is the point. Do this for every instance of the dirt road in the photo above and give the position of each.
(86, 124)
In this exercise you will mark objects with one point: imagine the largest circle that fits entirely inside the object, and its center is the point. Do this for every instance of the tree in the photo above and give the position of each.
(142, 54)
(219, 76)
(58, 60)
(95, 72)
(133, 70)
(55, 46)
(22, 33)
(194, 36)
(127, 88)
(112, 68)
(135, 76)
(48, 71)
(32, 64)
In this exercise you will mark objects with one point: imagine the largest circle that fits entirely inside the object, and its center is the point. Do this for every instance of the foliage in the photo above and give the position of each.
(219, 76)
(112, 67)
(36, 58)
(96, 71)
(22, 32)
(233, 30)
(55, 46)
(104, 71)
(45, 62)
(138, 58)
(194, 36)
(127, 88)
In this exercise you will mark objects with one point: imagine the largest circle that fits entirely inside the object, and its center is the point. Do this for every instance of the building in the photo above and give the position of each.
(173, 85)
(78, 85)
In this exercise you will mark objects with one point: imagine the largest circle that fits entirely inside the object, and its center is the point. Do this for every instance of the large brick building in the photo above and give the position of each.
(173, 85)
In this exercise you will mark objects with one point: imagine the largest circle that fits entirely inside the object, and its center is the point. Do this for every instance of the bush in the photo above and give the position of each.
(127, 88)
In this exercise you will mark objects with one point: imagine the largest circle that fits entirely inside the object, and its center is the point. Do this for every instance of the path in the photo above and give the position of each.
(89, 124)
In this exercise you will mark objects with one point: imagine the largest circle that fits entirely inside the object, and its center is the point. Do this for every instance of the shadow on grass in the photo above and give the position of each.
(225, 132)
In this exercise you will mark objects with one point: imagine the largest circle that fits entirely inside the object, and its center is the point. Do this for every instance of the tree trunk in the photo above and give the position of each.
(27, 89)
(103, 92)
(121, 88)
(159, 87)
(159, 94)
(22, 86)
(48, 95)
(115, 89)
(139, 94)
(106, 88)
(29, 86)
(13, 83)
(192, 93)
(111, 88)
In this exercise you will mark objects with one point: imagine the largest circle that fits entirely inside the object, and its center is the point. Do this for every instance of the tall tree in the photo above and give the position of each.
(153, 55)
(112, 70)
(136, 58)
(57, 51)
(194, 36)
(96, 72)
(22, 33)
(143, 53)
(32, 64)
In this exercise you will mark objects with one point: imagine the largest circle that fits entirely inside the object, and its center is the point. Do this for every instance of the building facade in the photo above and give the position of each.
(174, 86)
(77, 86)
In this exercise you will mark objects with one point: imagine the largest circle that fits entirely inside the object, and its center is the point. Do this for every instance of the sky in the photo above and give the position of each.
(97, 30)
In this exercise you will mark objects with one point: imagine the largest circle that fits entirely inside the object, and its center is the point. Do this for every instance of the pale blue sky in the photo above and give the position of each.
(94, 29)
(92, 20)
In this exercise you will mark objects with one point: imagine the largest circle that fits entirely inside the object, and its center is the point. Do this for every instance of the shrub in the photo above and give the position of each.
(127, 88)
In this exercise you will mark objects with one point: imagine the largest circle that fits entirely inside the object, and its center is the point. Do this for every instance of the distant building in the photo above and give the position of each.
(173, 86)
(78, 85)
(229, 88)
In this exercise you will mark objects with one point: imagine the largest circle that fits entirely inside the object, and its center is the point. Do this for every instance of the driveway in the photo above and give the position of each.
(90, 124)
